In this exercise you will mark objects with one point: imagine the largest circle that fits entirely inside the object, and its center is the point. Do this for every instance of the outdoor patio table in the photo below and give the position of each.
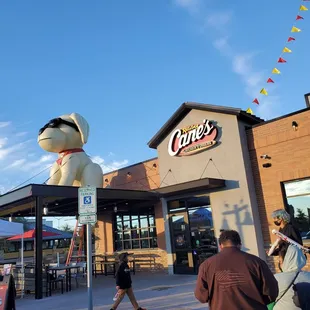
(68, 269)
(84, 257)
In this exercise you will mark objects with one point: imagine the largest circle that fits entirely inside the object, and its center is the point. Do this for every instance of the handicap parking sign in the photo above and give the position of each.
(87, 200)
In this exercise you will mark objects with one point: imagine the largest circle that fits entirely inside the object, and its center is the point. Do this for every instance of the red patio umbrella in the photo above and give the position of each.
(32, 233)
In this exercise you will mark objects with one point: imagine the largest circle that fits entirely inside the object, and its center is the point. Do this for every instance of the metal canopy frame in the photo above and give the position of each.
(31, 199)
(62, 200)
(205, 184)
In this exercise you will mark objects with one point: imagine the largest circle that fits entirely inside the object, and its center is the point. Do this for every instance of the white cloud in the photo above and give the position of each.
(3, 189)
(4, 124)
(4, 152)
(111, 166)
(188, 4)
(98, 160)
(47, 158)
(34, 166)
(268, 109)
(16, 163)
(219, 20)
(39, 165)
(3, 142)
(222, 44)
(21, 134)
(242, 63)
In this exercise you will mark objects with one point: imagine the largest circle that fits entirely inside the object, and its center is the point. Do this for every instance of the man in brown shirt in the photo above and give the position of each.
(235, 280)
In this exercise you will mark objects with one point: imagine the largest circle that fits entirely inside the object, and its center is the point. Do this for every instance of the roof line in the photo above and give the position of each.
(186, 107)
(130, 166)
(281, 117)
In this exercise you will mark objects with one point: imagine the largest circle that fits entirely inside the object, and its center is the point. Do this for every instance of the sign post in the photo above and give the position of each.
(88, 216)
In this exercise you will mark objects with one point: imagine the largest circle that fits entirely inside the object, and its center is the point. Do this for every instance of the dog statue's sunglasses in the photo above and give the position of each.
(56, 122)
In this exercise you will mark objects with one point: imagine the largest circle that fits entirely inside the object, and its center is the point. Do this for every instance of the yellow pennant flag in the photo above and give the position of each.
(276, 71)
(264, 92)
(295, 29)
(303, 8)
(249, 110)
(286, 50)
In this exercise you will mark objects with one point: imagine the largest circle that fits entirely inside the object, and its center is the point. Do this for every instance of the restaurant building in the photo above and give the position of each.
(217, 168)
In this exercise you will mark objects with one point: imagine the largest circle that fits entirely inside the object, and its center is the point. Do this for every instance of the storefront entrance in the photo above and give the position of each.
(192, 233)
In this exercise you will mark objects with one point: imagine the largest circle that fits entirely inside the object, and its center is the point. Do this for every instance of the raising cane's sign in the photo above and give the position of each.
(192, 139)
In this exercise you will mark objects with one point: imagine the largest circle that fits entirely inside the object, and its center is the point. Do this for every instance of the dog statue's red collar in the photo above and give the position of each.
(62, 154)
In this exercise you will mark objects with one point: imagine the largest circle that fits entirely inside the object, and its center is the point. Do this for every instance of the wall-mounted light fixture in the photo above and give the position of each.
(11, 218)
(267, 165)
(106, 180)
(295, 125)
(45, 211)
(154, 165)
(265, 156)
(128, 174)
(115, 208)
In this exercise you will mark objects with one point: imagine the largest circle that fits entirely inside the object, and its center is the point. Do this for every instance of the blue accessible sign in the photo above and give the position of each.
(87, 200)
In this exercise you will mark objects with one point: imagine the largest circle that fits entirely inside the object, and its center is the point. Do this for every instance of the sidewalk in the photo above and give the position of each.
(153, 291)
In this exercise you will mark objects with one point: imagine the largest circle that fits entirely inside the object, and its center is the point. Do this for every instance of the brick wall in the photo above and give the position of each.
(142, 176)
(289, 151)
(104, 233)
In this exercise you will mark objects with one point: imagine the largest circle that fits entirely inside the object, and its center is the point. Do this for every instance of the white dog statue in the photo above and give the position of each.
(66, 136)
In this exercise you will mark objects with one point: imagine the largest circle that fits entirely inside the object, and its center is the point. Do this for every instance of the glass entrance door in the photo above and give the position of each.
(192, 233)
(204, 243)
(181, 243)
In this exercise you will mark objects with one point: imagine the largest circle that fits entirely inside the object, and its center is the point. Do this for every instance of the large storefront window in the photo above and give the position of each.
(135, 231)
(298, 205)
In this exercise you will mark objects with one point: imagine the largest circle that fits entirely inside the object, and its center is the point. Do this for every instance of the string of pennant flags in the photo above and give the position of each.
(286, 50)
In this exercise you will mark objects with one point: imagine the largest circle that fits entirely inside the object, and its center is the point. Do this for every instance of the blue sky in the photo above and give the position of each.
(126, 66)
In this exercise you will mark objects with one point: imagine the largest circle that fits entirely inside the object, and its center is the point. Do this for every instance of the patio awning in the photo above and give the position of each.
(30, 234)
(63, 200)
(31, 200)
(199, 185)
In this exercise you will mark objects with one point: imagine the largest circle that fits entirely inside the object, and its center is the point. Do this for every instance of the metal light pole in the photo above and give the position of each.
(89, 267)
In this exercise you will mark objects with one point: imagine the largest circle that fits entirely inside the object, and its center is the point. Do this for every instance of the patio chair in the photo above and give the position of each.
(78, 274)
(51, 282)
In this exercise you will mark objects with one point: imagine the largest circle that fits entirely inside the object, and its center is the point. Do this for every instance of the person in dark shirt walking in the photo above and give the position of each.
(123, 284)
(235, 280)
(282, 219)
